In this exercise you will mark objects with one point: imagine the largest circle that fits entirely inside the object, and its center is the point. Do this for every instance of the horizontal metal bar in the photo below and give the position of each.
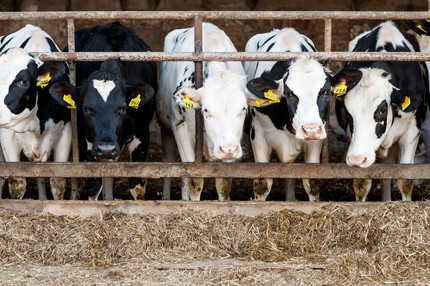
(98, 208)
(216, 15)
(227, 170)
(237, 56)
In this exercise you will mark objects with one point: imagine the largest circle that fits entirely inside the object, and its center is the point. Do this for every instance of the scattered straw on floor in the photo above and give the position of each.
(390, 244)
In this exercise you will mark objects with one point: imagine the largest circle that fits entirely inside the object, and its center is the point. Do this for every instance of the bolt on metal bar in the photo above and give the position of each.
(216, 15)
(233, 56)
(212, 169)
(198, 72)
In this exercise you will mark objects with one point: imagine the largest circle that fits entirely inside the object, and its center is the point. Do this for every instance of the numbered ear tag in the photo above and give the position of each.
(259, 102)
(421, 28)
(340, 90)
(188, 103)
(68, 99)
(406, 103)
(135, 102)
(270, 95)
(44, 81)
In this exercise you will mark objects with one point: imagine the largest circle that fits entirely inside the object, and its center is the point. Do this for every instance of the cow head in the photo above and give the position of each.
(306, 89)
(223, 101)
(23, 78)
(105, 102)
(369, 102)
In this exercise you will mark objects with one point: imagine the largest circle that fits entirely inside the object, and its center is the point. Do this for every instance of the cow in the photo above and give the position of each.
(31, 121)
(291, 116)
(114, 101)
(223, 99)
(381, 104)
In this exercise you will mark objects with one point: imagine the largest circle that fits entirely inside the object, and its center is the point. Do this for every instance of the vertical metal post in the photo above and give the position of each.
(73, 119)
(327, 48)
(198, 46)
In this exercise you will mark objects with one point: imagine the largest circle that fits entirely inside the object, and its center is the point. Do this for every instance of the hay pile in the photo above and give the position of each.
(390, 244)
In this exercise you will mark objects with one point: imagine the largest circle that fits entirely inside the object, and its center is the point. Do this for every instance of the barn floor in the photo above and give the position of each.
(329, 245)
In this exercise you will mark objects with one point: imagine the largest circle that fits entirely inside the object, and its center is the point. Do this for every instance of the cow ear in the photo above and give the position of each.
(406, 100)
(51, 72)
(344, 81)
(261, 86)
(139, 94)
(419, 26)
(188, 97)
(65, 94)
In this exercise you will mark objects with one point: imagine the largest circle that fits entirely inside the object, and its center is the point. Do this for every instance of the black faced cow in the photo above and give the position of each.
(30, 120)
(382, 104)
(114, 101)
(291, 115)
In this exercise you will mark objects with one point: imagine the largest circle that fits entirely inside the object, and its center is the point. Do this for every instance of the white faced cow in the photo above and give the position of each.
(383, 105)
(222, 98)
(294, 119)
(30, 120)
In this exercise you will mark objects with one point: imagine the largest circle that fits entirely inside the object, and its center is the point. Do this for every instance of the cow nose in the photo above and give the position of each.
(229, 151)
(312, 131)
(106, 151)
(357, 161)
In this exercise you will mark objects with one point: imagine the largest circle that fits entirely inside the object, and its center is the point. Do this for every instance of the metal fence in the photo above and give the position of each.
(324, 170)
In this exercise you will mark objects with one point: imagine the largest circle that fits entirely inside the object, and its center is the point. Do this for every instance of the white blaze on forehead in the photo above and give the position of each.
(104, 87)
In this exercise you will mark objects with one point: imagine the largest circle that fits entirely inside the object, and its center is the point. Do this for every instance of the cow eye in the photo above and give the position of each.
(88, 110)
(244, 110)
(383, 111)
(121, 110)
(22, 82)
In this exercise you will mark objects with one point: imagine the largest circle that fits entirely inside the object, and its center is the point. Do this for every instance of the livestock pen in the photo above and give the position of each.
(212, 242)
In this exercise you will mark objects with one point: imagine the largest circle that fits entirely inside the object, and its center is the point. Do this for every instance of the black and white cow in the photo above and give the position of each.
(382, 107)
(31, 121)
(222, 98)
(114, 101)
(297, 121)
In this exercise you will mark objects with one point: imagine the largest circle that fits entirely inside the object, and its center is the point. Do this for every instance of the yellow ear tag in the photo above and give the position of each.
(340, 90)
(421, 28)
(188, 103)
(270, 95)
(135, 102)
(259, 102)
(406, 103)
(44, 81)
(68, 99)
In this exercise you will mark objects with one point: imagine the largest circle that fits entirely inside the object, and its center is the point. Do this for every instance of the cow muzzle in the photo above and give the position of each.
(105, 150)
(357, 161)
(312, 131)
(229, 151)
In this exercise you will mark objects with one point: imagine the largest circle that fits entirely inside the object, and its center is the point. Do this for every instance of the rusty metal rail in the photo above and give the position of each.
(238, 56)
(210, 169)
(236, 170)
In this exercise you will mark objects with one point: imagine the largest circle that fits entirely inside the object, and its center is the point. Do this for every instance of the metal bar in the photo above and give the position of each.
(216, 15)
(73, 119)
(212, 169)
(233, 56)
(99, 208)
(198, 72)
(327, 48)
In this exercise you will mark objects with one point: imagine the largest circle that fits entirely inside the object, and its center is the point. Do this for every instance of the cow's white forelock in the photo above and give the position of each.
(104, 87)
(361, 102)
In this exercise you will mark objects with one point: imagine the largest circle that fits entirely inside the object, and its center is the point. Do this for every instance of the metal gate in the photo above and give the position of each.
(324, 170)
